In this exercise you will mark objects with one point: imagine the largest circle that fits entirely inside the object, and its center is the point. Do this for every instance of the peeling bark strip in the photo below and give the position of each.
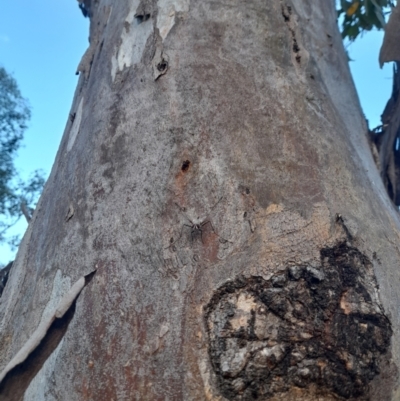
(17, 375)
(302, 326)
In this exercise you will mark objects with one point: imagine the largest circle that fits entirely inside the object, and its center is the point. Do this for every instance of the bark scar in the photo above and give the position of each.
(159, 62)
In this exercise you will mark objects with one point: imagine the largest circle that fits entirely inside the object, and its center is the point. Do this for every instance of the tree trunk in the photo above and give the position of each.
(214, 227)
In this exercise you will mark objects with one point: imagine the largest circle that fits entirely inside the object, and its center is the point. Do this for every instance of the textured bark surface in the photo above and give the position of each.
(216, 173)
(390, 48)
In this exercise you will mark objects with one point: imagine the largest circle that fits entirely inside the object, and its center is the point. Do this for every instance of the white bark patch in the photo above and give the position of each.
(61, 285)
(133, 41)
(245, 305)
(73, 133)
(164, 330)
(166, 14)
(69, 297)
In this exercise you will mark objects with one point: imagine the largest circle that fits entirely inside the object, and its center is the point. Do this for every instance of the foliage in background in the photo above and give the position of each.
(15, 195)
(358, 16)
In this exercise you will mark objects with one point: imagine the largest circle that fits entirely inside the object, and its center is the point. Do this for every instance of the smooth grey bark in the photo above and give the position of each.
(216, 174)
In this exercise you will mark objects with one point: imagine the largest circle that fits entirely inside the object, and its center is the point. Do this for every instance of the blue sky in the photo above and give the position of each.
(41, 43)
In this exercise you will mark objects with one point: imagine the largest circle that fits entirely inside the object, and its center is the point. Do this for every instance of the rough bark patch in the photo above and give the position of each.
(301, 327)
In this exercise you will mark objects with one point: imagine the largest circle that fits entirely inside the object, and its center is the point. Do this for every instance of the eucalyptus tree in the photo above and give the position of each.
(214, 226)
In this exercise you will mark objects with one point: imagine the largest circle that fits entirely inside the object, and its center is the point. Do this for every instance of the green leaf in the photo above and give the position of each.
(351, 31)
(366, 15)
(14, 117)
